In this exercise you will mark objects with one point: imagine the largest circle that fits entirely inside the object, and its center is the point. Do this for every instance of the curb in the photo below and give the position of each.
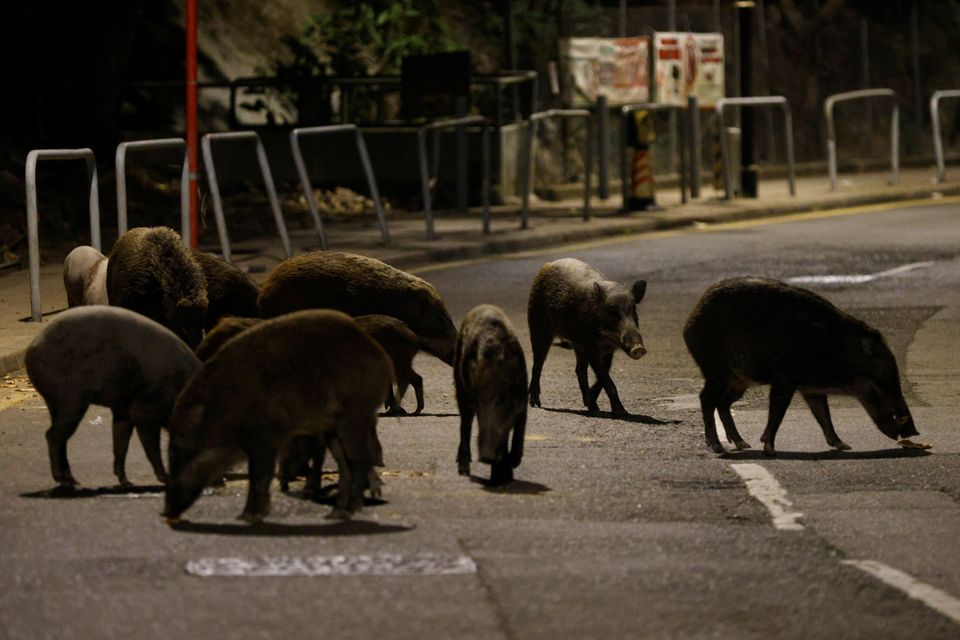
(12, 361)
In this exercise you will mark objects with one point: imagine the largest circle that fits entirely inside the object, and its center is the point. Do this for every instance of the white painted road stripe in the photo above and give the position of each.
(383, 564)
(858, 278)
(931, 596)
(764, 487)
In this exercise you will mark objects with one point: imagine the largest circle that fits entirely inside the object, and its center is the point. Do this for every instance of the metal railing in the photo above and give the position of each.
(425, 171)
(295, 136)
(828, 105)
(121, 169)
(529, 162)
(756, 101)
(205, 143)
(625, 112)
(937, 137)
(33, 238)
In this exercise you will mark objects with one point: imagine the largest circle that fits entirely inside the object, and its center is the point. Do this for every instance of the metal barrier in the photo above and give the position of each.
(894, 129)
(935, 120)
(425, 171)
(625, 112)
(33, 239)
(295, 136)
(267, 181)
(756, 101)
(121, 169)
(528, 171)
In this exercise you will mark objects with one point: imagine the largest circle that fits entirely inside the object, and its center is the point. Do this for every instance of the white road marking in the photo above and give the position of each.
(764, 487)
(382, 564)
(858, 278)
(934, 598)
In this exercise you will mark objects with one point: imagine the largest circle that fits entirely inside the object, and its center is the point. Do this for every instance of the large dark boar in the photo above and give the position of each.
(358, 285)
(490, 374)
(152, 273)
(313, 373)
(85, 277)
(230, 291)
(571, 299)
(115, 358)
(402, 345)
(749, 331)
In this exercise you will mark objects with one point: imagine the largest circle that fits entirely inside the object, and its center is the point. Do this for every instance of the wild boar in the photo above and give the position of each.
(230, 291)
(312, 373)
(490, 376)
(574, 301)
(750, 331)
(152, 273)
(85, 277)
(112, 357)
(401, 344)
(358, 286)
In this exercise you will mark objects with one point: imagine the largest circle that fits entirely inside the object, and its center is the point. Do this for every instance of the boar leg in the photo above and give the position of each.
(122, 430)
(540, 340)
(467, 412)
(345, 483)
(598, 385)
(417, 382)
(516, 444)
(583, 361)
(821, 411)
(149, 434)
(731, 395)
(708, 403)
(780, 397)
(601, 367)
(393, 403)
(314, 480)
(262, 460)
(64, 423)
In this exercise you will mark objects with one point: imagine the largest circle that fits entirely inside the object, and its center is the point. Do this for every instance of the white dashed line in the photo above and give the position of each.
(383, 564)
(764, 487)
(858, 278)
(934, 598)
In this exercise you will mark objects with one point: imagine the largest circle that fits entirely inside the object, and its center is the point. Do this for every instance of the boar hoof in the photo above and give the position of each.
(593, 409)
(534, 401)
(840, 445)
(463, 468)
(396, 410)
(769, 450)
(741, 444)
(251, 518)
(339, 514)
(122, 481)
(163, 478)
(716, 447)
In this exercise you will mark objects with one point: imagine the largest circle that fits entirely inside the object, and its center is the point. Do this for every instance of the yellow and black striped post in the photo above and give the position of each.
(640, 136)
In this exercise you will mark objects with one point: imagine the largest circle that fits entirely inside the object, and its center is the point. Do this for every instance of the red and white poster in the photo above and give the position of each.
(687, 64)
(614, 67)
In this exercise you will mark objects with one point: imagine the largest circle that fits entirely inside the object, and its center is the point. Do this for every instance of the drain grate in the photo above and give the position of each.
(383, 564)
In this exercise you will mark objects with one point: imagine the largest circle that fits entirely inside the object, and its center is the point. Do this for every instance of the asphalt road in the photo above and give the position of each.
(614, 528)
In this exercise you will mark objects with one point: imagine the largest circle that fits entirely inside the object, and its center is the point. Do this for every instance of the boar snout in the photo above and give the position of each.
(632, 344)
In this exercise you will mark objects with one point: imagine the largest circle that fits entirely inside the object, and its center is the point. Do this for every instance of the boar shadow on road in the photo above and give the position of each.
(630, 417)
(69, 493)
(329, 497)
(828, 454)
(280, 530)
(516, 487)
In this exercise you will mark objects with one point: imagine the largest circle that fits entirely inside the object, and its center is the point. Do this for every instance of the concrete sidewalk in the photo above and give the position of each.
(552, 224)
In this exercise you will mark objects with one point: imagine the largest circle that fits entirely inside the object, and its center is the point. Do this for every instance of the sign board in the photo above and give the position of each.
(688, 64)
(614, 67)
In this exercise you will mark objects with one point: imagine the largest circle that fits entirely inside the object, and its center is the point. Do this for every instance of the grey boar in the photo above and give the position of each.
(85, 277)
(311, 373)
(358, 286)
(230, 291)
(227, 328)
(112, 357)
(401, 344)
(749, 331)
(490, 376)
(574, 301)
(152, 273)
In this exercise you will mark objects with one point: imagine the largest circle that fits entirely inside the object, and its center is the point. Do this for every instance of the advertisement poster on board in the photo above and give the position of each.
(688, 64)
(614, 67)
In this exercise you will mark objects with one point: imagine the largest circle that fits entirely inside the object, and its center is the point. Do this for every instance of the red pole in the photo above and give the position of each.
(191, 64)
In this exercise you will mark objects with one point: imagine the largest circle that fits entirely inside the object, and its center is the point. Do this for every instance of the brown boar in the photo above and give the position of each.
(490, 375)
(750, 331)
(311, 373)
(358, 285)
(574, 301)
(112, 357)
(230, 291)
(85, 277)
(152, 273)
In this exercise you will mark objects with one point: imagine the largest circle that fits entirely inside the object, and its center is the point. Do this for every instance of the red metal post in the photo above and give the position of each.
(191, 71)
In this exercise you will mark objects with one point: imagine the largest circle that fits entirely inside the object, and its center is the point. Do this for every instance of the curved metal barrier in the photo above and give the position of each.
(828, 105)
(756, 101)
(425, 171)
(215, 188)
(33, 239)
(528, 170)
(300, 132)
(625, 112)
(935, 120)
(121, 169)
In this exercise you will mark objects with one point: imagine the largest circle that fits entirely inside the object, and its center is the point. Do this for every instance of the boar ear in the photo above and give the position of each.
(599, 292)
(639, 289)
